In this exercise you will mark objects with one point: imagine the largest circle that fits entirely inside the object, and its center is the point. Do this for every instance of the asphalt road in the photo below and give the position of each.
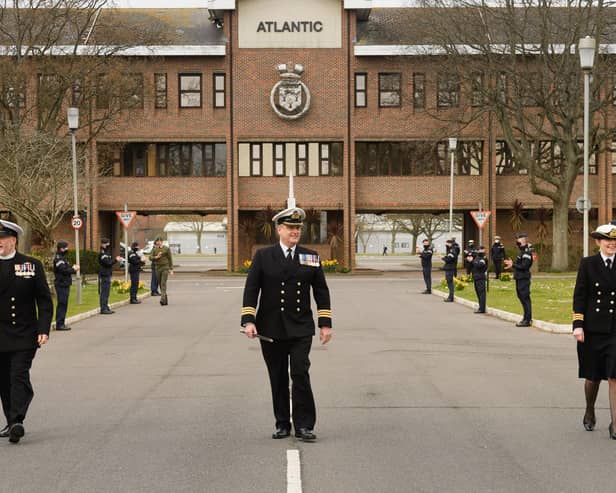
(413, 395)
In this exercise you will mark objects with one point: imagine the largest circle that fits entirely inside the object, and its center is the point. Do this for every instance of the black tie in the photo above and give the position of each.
(608, 262)
(289, 255)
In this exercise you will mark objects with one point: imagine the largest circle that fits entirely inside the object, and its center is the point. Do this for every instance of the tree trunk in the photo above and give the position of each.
(413, 243)
(560, 243)
(25, 240)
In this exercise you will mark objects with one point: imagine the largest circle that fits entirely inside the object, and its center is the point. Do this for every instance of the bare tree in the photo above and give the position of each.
(67, 53)
(195, 224)
(516, 61)
(364, 228)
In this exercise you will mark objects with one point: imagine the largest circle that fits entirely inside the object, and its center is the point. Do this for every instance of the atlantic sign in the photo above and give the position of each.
(290, 24)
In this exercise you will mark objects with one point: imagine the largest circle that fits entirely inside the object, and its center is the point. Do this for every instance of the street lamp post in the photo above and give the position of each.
(73, 125)
(453, 142)
(586, 48)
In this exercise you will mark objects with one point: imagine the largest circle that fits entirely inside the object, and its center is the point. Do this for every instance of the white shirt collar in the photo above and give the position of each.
(8, 257)
(285, 248)
(604, 257)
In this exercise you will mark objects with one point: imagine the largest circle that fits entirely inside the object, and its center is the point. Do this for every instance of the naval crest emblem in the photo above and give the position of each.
(290, 97)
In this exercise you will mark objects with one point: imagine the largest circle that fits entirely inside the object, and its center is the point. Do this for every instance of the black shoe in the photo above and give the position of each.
(281, 433)
(523, 323)
(107, 312)
(4, 432)
(479, 311)
(612, 433)
(16, 431)
(426, 292)
(448, 300)
(589, 422)
(64, 327)
(135, 302)
(163, 301)
(305, 435)
(155, 293)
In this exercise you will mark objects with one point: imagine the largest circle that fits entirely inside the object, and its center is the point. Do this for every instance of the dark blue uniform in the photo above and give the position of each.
(497, 253)
(134, 268)
(479, 266)
(521, 274)
(106, 262)
(426, 266)
(63, 272)
(456, 251)
(26, 310)
(281, 290)
(451, 262)
(469, 251)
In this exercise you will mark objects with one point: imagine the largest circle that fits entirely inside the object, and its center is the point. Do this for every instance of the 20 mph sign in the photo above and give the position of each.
(480, 218)
(76, 222)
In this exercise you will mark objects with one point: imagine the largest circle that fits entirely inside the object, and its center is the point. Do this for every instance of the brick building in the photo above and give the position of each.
(332, 90)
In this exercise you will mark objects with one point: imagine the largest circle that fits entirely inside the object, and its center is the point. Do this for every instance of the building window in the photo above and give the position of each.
(15, 95)
(103, 92)
(219, 90)
(416, 158)
(361, 100)
(77, 93)
(389, 90)
(592, 159)
(160, 86)
(530, 89)
(613, 157)
(279, 160)
(477, 89)
(190, 90)
(256, 160)
(505, 162)
(330, 159)
(419, 91)
(132, 93)
(191, 159)
(448, 91)
(301, 154)
(501, 88)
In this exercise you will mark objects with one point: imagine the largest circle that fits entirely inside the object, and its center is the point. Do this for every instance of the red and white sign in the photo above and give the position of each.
(126, 218)
(480, 218)
(76, 222)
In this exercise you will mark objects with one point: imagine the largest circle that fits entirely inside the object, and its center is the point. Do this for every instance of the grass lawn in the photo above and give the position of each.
(552, 298)
(89, 299)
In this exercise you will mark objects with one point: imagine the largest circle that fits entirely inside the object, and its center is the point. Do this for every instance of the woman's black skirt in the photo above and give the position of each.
(597, 356)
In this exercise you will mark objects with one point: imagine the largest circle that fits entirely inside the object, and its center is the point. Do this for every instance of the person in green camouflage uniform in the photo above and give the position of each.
(163, 263)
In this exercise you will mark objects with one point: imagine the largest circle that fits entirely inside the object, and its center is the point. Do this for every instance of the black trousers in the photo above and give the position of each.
(280, 356)
(134, 285)
(62, 293)
(104, 287)
(427, 275)
(15, 387)
(480, 290)
(154, 281)
(449, 275)
(522, 288)
(498, 268)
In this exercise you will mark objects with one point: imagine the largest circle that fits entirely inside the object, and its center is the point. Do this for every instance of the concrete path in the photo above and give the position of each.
(413, 395)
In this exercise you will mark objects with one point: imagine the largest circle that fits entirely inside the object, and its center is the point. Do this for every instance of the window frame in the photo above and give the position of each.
(159, 93)
(398, 91)
(259, 159)
(181, 91)
(277, 160)
(419, 90)
(222, 91)
(447, 84)
(364, 91)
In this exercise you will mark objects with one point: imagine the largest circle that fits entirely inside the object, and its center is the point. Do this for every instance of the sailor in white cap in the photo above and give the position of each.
(594, 323)
(280, 279)
(26, 310)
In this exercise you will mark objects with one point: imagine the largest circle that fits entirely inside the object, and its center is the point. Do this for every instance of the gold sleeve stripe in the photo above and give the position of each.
(248, 310)
(324, 313)
(578, 316)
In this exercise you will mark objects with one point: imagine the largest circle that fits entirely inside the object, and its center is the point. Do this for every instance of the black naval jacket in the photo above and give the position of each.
(479, 266)
(594, 296)
(497, 251)
(134, 262)
(284, 303)
(451, 259)
(106, 262)
(523, 263)
(63, 270)
(23, 293)
(426, 256)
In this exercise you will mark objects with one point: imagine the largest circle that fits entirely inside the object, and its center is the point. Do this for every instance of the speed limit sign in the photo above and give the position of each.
(76, 222)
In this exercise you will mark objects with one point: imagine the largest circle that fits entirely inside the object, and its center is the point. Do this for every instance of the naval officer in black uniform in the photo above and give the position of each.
(426, 265)
(26, 310)
(479, 267)
(521, 274)
(277, 305)
(594, 323)
(63, 271)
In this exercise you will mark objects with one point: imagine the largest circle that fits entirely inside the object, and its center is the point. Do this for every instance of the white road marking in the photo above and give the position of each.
(294, 472)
